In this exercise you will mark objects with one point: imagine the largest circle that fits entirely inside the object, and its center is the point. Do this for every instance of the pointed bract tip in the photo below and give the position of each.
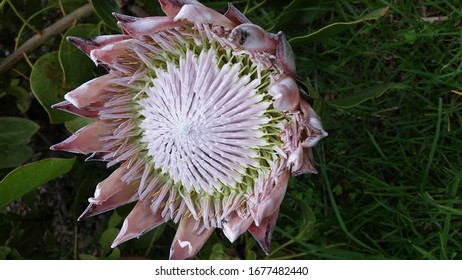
(236, 226)
(60, 105)
(140, 220)
(235, 15)
(285, 55)
(263, 232)
(87, 213)
(187, 241)
(122, 237)
(67, 106)
(84, 44)
(124, 18)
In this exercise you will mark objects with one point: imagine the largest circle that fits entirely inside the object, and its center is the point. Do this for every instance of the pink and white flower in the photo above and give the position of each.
(202, 113)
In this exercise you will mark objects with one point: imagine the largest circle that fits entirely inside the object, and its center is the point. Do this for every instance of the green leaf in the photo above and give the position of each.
(104, 10)
(218, 252)
(297, 13)
(31, 176)
(46, 80)
(114, 220)
(450, 210)
(335, 28)
(77, 123)
(306, 228)
(87, 257)
(114, 255)
(106, 240)
(151, 7)
(75, 64)
(22, 98)
(359, 97)
(16, 130)
(68, 5)
(14, 155)
(251, 255)
(4, 251)
(2, 4)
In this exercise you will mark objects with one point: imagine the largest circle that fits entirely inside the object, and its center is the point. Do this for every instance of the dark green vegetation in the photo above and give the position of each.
(389, 172)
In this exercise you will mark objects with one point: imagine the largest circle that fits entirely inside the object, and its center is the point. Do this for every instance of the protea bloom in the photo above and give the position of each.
(203, 114)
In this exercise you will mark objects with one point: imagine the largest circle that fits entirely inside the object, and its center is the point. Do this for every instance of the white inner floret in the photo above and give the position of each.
(202, 121)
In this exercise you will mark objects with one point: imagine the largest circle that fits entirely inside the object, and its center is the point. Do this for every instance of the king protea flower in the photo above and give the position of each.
(203, 114)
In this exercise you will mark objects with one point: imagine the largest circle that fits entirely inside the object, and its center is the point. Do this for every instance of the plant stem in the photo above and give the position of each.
(54, 29)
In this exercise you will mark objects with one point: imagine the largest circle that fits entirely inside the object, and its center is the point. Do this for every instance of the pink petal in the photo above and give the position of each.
(235, 15)
(315, 129)
(66, 106)
(138, 222)
(187, 241)
(252, 37)
(201, 14)
(124, 18)
(172, 7)
(285, 93)
(274, 199)
(87, 45)
(236, 226)
(307, 164)
(147, 26)
(111, 193)
(285, 55)
(296, 158)
(264, 232)
(109, 52)
(89, 92)
(85, 140)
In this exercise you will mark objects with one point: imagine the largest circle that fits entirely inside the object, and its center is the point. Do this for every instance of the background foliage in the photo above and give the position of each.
(389, 173)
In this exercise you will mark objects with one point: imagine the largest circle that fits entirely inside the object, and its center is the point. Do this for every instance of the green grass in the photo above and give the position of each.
(389, 172)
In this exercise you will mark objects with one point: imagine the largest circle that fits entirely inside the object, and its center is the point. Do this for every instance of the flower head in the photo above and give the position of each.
(203, 114)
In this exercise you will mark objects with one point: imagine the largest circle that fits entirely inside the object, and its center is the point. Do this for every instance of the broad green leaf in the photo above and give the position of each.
(14, 155)
(359, 97)
(77, 123)
(4, 251)
(104, 10)
(16, 130)
(76, 66)
(335, 28)
(31, 176)
(114, 255)
(22, 98)
(106, 240)
(114, 220)
(46, 81)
